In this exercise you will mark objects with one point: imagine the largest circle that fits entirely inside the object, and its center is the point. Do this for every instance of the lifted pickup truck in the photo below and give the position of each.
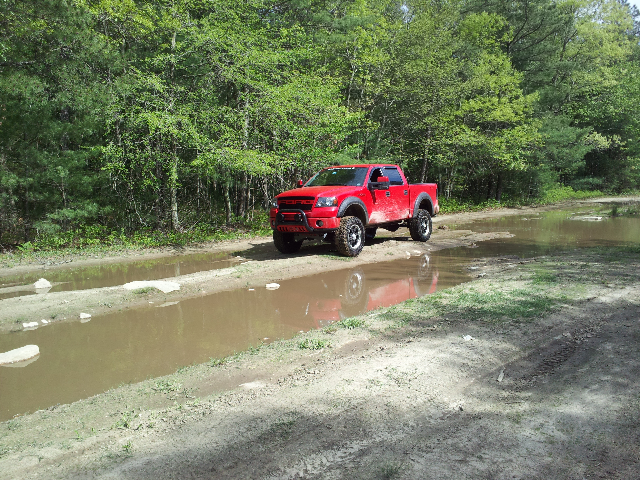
(346, 204)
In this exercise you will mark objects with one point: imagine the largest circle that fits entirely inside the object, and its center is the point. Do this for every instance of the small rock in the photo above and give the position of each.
(44, 322)
(85, 315)
(162, 285)
(42, 283)
(273, 286)
(501, 376)
(30, 324)
(466, 338)
(19, 354)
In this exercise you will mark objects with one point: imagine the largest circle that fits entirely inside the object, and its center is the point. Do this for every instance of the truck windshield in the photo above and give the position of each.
(349, 176)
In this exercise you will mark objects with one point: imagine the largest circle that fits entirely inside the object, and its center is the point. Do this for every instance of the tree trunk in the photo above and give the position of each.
(173, 186)
(499, 188)
(425, 162)
(489, 186)
(227, 203)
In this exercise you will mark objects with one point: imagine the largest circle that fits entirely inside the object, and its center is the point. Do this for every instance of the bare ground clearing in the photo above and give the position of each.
(545, 387)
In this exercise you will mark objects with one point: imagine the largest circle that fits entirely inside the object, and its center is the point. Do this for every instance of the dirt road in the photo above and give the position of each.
(529, 371)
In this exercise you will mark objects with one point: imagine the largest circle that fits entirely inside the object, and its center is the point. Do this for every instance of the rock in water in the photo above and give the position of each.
(19, 354)
(42, 283)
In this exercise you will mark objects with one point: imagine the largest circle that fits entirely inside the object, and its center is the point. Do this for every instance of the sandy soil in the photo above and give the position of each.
(542, 385)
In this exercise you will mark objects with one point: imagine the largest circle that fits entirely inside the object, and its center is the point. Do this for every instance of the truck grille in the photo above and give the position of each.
(296, 203)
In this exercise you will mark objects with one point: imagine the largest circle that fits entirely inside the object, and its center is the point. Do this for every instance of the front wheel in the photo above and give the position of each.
(350, 236)
(285, 242)
(420, 226)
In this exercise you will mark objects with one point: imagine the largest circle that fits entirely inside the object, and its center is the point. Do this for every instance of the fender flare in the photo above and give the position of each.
(349, 201)
(421, 197)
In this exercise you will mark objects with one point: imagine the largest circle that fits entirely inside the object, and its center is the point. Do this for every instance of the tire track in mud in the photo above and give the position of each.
(552, 356)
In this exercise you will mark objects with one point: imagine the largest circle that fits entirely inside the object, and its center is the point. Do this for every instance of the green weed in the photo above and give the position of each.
(125, 421)
(166, 386)
(351, 323)
(144, 290)
(217, 362)
(312, 344)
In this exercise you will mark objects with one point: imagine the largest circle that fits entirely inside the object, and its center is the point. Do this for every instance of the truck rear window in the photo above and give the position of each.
(349, 176)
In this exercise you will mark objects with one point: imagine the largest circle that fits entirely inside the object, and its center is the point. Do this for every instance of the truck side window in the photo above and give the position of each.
(394, 176)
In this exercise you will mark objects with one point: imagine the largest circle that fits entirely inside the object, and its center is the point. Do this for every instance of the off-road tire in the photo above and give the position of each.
(350, 236)
(370, 234)
(420, 226)
(285, 242)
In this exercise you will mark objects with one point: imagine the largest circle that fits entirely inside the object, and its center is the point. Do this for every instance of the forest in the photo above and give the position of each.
(125, 116)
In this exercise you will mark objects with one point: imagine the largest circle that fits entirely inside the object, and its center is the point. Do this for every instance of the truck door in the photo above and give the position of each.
(398, 194)
(392, 204)
(381, 199)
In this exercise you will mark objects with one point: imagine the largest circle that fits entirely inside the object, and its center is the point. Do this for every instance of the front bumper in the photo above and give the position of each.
(299, 221)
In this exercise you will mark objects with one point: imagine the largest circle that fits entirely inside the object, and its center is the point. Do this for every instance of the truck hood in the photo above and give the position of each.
(328, 191)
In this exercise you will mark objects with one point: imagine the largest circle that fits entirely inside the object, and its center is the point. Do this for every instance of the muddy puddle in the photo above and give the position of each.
(83, 278)
(561, 229)
(78, 360)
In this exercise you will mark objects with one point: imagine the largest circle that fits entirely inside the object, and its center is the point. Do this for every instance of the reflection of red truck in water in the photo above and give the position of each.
(347, 204)
(342, 294)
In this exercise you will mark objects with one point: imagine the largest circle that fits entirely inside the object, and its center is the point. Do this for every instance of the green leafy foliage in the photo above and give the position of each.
(157, 122)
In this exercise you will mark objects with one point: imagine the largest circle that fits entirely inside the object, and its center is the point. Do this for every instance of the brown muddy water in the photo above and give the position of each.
(83, 278)
(78, 360)
(561, 229)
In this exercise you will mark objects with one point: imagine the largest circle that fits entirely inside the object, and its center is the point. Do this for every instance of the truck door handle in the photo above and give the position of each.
(406, 192)
(388, 193)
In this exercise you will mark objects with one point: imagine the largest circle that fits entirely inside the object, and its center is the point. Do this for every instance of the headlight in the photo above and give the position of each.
(274, 203)
(327, 202)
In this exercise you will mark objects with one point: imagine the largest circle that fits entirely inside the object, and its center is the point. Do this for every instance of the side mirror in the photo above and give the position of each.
(300, 184)
(381, 184)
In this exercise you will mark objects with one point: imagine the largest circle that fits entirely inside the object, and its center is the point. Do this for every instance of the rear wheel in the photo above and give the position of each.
(285, 242)
(420, 226)
(350, 236)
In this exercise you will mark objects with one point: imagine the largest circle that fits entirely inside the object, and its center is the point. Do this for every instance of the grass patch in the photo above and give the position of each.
(312, 344)
(100, 238)
(625, 211)
(351, 323)
(166, 386)
(557, 193)
(543, 276)
(125, 420)
(560, 193)
(144, 290)
(475, 304)
(217, 362)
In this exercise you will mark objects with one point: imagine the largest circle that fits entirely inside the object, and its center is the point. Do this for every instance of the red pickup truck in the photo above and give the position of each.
(346, 204)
